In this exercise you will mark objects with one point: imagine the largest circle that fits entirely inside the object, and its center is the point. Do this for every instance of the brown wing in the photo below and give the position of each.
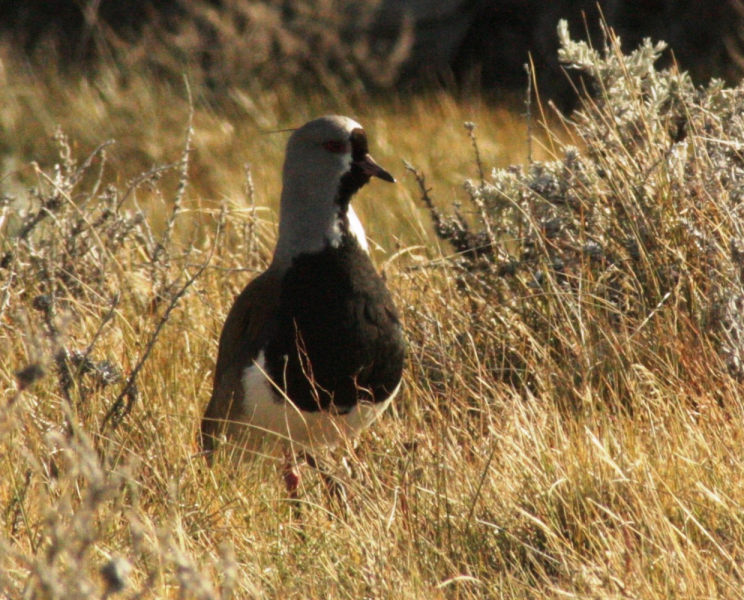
(243, 336)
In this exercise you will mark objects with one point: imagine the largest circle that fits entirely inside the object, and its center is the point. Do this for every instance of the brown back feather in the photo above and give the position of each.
(244, 334)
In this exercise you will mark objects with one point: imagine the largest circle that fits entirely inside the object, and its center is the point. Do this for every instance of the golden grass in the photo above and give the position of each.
(148, 123)
(468, 488)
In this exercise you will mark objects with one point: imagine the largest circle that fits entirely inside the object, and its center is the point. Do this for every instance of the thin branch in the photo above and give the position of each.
(421, 181)
(183, 179)
(470, 126)
(151, 174)
(80, 171)
(528, 107)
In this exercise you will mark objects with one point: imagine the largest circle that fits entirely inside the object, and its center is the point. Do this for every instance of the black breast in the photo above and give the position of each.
(338, 338)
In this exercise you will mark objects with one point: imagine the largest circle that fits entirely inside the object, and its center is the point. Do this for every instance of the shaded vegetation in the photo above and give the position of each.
(355, 46)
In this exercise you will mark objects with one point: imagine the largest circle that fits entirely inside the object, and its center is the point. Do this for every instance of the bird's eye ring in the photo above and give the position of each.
(335, 146)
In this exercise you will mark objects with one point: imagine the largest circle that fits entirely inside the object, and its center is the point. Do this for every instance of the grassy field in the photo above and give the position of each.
(571, 420)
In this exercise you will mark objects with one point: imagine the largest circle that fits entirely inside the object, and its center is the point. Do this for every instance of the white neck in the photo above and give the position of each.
(311, 232)
(356, 229)
(309, 219)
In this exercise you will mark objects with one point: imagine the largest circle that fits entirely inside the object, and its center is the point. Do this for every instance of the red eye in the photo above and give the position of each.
(335, 146)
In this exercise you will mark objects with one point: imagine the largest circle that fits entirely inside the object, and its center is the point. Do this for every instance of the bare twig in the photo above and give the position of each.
(470, 126)
(153, 173)
(80, 171)
(250, 194)
(421, 181)
(183, 179)
(528, 109)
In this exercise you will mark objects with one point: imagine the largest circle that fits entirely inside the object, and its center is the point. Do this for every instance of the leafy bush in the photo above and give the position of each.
(624, 254)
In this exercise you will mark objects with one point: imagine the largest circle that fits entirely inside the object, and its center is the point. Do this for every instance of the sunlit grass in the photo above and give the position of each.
(148, 120)
(474, 484)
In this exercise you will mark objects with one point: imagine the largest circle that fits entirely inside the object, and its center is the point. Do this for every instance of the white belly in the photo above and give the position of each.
(272, 425)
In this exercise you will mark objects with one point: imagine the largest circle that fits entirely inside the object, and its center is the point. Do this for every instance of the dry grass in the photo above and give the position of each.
(551, 440)
(147, 120)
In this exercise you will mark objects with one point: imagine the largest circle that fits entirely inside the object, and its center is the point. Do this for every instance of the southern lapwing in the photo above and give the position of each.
(312, 350)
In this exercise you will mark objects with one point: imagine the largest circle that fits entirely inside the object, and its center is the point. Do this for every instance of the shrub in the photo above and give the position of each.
(625, 254)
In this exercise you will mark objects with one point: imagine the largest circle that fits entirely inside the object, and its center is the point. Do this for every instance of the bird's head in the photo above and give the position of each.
(331, 149)
(326, 163)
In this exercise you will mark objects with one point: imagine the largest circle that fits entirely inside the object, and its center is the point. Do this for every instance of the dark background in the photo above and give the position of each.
(473, 44)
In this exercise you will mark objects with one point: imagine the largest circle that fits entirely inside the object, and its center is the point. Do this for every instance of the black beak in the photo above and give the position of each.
(371, 168)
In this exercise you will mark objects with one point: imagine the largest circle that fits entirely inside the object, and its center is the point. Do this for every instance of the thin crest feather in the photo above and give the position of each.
(263, 132)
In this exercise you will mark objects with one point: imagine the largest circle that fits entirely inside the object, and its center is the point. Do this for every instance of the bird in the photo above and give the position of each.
(312, 351)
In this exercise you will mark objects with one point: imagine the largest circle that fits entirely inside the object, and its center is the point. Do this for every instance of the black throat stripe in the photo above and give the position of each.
(359, 145)
(355, 178)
